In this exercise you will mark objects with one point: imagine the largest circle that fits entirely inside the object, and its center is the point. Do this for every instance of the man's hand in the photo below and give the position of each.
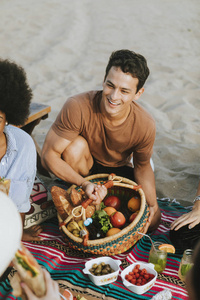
(52, 292)
(94, 192)
(153, 219)
(192, 218)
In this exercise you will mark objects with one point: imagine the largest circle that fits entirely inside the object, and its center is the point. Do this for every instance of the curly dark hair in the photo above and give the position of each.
(15, 93)
(129, 62)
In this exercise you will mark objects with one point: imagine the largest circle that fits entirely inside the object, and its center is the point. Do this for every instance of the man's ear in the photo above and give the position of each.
(139, 93)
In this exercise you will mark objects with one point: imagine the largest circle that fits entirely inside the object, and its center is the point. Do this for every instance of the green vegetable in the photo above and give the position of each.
(25, 265)
(103, 218)
(102, 205)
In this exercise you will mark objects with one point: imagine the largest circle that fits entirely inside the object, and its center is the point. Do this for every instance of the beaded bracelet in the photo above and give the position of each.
(197, 198)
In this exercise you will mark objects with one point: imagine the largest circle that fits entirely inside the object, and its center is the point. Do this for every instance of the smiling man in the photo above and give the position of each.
(107, 131)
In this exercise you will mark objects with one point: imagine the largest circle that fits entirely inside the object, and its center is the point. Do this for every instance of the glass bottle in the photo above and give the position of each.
(94, 229)
(185, 264)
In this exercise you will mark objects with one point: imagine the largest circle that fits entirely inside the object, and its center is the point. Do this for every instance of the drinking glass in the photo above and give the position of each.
(185, 264)
(158, 257)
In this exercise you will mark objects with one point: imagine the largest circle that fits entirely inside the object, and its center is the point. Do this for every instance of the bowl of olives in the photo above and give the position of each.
(102, 270)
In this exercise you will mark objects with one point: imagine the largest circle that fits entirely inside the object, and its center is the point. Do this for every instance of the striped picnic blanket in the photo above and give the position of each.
(65, 265)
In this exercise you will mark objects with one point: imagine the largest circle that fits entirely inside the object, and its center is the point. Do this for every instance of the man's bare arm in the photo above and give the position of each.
(51, 159)
(144, 175)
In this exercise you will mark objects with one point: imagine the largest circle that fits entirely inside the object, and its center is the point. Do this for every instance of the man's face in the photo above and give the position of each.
(119, 90)
(2, 122)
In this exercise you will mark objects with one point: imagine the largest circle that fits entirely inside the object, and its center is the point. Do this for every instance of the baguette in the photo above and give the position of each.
(61, 200)
(29, 271)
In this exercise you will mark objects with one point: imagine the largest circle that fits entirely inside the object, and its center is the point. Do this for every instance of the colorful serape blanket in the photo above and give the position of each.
(65, 265)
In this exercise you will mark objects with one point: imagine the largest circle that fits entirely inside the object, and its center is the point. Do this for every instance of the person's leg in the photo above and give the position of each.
(185, 238)
(78, 156)
(124, 171)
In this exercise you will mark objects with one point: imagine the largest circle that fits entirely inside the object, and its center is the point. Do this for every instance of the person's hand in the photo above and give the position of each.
(94, 192)
(52, 292)
(192, 218)
(100, 192)
(153, 219)
(32, 233)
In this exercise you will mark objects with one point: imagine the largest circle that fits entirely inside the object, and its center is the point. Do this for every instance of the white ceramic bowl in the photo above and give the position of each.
(103, 279)
(143, 288)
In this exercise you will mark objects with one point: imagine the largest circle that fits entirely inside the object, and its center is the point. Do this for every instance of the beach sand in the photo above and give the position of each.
(64, 47)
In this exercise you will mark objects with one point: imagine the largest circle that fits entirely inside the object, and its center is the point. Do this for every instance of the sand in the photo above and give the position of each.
(64, 47)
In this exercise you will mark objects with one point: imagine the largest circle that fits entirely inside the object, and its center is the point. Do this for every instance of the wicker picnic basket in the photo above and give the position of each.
(121, 241)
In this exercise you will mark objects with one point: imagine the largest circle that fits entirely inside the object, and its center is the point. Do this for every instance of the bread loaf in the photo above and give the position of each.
(76, 197)
(61, 200)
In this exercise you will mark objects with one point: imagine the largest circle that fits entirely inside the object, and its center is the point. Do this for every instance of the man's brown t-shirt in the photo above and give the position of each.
(110, 146)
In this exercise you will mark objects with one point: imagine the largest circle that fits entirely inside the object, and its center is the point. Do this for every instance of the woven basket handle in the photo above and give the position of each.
(87, 202)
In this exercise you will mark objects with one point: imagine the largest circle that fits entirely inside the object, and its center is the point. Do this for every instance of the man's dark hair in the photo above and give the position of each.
(15, 93)
(129, 62)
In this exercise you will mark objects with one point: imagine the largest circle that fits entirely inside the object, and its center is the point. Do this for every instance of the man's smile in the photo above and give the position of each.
(113, 103)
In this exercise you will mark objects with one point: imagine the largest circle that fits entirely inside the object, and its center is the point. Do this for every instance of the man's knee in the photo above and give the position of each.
(78, 156)
(76, 150)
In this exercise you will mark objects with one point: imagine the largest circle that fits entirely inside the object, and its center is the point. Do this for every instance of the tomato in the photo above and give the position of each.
(133, 216)
(131, 273)
(112, 201)
(144, 281)
(137, 266)
(138, 276)
(129, 277)
(117, 219)
(133, 281)
(139, 280)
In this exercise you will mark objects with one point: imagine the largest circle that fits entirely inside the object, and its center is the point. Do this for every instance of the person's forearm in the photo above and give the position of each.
(147, 180)
(145, 177)
(61, 169)
(198, 190)
(23, 218)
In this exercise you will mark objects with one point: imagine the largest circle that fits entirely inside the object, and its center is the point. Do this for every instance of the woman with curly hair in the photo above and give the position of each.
(17, 149)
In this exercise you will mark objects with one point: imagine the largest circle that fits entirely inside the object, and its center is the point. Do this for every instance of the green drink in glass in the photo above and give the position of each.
(158, 257)
(185, 264)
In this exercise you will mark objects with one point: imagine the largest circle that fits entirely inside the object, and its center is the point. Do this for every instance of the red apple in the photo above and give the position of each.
(133, 216)
(117, 219)
(112, 201)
